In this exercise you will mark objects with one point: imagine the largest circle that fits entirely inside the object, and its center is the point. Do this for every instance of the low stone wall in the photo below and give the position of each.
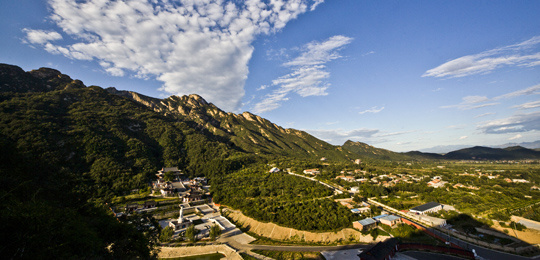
(172, 252)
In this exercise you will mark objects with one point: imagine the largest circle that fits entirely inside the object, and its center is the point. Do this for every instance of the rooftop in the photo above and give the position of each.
(391, 218)
(367, 221)
(426, 206)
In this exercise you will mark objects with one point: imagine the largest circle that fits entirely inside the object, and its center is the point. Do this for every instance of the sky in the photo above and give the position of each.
(399, 75)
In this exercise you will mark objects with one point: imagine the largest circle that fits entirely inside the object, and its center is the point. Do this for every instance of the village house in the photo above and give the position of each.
(355, 189)
(357, 161)
(174, 170)
(436, 183)
(520, 181)
(194, 194)
(361, 210)
(365, 224)
(274, 170)
(390, 220)
(312, 171)
(346, 178)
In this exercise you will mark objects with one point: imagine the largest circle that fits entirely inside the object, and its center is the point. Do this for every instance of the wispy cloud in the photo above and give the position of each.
(524, 54)
(515, 137)
(373, 110)
(534, 90)
(471, 102)
(198, 47)
(309, 73)
(484, 114)
(368, 53)
(517, 123)
(463, 137)
(474, 102)
(339, 136)
(528, 105)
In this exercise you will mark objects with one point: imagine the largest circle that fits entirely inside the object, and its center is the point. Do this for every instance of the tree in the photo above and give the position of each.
(215, 231)
(191, 233)
(169, 176)
(166, 234)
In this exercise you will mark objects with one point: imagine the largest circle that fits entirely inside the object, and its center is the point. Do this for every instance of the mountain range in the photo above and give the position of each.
(243, 133)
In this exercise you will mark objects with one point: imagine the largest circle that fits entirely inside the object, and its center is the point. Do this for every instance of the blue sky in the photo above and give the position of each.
(394, 74)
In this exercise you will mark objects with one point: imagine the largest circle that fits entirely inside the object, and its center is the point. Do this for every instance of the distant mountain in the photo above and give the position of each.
(421, 155)
(529, 145)
(365, 150)
(487, 153)
(442, 149)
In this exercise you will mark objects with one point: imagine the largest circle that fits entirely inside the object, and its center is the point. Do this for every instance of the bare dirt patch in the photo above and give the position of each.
(276, 232)
(530, 236)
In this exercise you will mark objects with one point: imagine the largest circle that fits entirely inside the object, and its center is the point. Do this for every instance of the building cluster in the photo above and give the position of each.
(177, 184)
(371, 223)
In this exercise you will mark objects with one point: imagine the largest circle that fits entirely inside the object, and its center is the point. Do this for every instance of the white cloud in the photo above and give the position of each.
(41, 36)
(524, 54)
(373, 110)
(309, 74)
(515, 137)
(516, 123)
(198, 47)
(529, 105)
(463, 137)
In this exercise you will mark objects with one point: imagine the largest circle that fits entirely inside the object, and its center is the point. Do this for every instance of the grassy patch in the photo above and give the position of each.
(247, 257)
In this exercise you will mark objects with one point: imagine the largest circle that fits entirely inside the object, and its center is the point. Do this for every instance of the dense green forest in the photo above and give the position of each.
(68, 149)
(44, 216)
(282, 199)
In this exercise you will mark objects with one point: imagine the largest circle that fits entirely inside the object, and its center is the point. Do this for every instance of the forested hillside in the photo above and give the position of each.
(67, 149)
(247, 131)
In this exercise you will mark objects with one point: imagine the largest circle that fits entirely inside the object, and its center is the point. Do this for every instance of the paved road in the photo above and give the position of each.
(295, 248)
